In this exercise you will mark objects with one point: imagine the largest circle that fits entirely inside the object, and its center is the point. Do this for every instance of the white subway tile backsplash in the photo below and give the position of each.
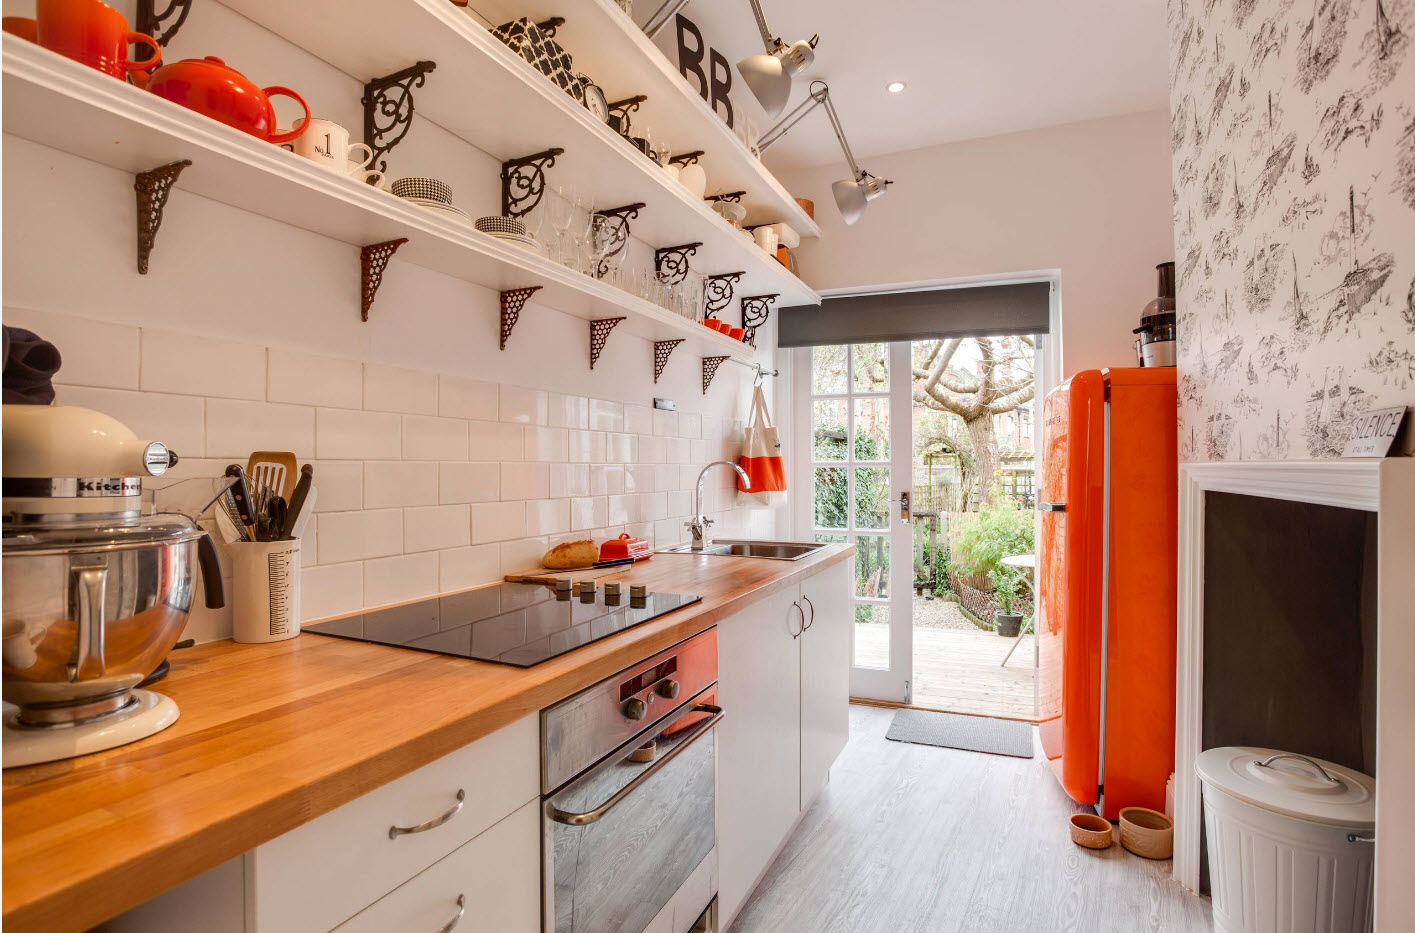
(569, 411)
(698, 451)
(394, 483)
(469, 482)
(624, 510)
(179, 421)
(654, 506)
(606, 480)
(492, 441)
(638, 419)
(675, 450)
(430, 528)
(680, 503)
(589, 513)
(396, 579)
(427, 438)
(587, 447)
(469, 399)
(665, 423)
(464, 567)
(606, 416)
(547, 444)
(340, 485)
(524, 554)
(357, 435)
(303, 379)
(666, 477)
(524, 406)
(569, 479)
(211, 366)
(498, 521)
(345, 536)
(668, 532)
(620, 448)
(96, 353)
(639, 478)
(525, 480)
(234, 429)
(331, 589)
(547, 516)
(690, 424)
(390, 388)
(651, 449)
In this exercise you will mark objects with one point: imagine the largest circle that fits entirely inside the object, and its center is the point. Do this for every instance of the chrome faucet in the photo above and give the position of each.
(698, 527)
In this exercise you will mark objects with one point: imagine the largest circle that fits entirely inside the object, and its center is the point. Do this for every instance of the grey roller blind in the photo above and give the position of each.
(975, 311)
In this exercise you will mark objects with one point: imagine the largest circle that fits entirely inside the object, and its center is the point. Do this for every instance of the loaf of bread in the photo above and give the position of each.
(571, 555)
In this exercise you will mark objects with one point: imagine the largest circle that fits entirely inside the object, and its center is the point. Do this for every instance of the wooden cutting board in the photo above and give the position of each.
(546, 575)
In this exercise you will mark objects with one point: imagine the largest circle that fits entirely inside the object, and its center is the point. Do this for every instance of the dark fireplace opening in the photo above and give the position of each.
(1289, 629)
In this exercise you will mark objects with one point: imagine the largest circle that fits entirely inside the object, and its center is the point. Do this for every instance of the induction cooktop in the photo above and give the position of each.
(520, 624)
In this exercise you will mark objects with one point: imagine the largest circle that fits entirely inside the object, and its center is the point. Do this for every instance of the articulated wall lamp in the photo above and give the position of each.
(768, 75)
(850, 196)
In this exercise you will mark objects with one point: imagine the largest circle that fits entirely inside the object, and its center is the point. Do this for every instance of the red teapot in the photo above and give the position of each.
(212, 87)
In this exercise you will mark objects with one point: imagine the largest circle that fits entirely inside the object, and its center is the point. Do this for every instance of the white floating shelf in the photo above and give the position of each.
(612, 50)
(67, 106)
(491, 97)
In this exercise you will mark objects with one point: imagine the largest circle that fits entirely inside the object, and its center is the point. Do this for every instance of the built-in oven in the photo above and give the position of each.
(628, 782)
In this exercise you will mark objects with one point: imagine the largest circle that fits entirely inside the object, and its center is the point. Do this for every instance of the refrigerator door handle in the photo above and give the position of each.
(1051, 506)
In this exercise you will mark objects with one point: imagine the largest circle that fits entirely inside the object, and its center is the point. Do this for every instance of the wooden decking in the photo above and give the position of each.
(960, 671)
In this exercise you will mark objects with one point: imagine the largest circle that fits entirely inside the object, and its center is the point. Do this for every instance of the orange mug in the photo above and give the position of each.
(21, 26)
(93, 33)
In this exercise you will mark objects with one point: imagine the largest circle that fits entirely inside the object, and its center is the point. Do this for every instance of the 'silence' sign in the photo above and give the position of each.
(1373, 432)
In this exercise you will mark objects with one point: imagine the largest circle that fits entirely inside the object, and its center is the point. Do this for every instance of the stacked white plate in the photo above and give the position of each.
(441, 208)
(525, 241)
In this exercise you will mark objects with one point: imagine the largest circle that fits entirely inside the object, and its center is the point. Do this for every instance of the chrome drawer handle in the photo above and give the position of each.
(395, 831)
(461, 909)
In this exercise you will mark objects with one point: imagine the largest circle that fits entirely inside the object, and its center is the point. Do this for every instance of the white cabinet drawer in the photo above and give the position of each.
(497, 876)
(321, 874)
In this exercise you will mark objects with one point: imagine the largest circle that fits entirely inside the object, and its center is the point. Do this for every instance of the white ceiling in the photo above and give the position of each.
(974, 68)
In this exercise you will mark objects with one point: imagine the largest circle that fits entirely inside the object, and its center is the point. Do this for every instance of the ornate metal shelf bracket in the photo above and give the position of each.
(662, 349)
(718, 291)
(618, 232)
(523, 182)
(373, 259)
(687, 158)
(733, 196)
(153, 188)
(710, 364)
(755, 311)
(621, 109)
(548, 27)
(599, 336)
(671, 262)
(152, 23)
(388, 109)
(512, 301)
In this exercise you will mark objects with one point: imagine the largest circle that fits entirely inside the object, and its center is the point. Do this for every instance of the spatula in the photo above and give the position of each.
(276, 469)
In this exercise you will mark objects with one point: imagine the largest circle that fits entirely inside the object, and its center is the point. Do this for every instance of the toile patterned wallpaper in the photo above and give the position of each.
(1293, 129)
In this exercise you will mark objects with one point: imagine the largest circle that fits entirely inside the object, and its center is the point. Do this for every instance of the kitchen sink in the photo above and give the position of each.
(770, 550)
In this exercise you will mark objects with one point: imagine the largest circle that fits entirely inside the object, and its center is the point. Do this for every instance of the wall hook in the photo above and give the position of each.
(512, 301)
(153, 188)
(373, 259)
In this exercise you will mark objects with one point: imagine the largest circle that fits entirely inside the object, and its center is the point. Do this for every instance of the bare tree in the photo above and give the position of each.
(1003, 382)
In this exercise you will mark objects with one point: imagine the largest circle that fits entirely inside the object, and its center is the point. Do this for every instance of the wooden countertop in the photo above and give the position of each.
(272, 736)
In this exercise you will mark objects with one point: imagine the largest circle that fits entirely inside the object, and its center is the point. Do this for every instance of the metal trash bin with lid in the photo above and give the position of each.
(1289, 842)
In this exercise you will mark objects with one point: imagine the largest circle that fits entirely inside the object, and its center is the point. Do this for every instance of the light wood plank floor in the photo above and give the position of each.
(960, 671)
(917, 839)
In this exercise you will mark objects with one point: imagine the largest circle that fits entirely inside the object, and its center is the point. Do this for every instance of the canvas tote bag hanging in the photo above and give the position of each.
(761, 459)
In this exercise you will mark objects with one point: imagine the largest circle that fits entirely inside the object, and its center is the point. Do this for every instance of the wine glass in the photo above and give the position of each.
(562, 214)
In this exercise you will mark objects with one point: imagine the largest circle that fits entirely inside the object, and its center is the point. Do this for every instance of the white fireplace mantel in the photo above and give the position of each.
(1386, 487)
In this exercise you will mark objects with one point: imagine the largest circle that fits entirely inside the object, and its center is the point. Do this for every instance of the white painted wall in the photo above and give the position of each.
(201, 352)
(1090, 200)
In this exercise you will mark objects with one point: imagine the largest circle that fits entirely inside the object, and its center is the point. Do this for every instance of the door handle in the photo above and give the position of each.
(813, 611)
(395, 831)
(461, 909)
(904, 508)
(1051, 506)
(797, 634)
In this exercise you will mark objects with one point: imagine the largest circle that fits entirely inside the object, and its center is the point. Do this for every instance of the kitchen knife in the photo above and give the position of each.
(303, 518)
(241, 495)
(297, 500)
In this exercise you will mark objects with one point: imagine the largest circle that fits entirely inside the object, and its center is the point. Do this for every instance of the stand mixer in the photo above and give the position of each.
(96, 594)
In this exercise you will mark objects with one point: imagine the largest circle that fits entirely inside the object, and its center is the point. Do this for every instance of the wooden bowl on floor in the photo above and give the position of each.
(1091, 831)
(1148, 833)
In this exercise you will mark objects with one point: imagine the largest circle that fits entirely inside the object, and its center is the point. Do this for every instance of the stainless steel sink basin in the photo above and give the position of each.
(770, 550)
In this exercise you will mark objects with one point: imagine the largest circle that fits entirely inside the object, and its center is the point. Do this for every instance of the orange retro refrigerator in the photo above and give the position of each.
(1106, 579)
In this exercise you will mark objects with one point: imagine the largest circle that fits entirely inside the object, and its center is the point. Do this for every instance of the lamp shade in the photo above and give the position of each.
(850, 199)
(769, 81)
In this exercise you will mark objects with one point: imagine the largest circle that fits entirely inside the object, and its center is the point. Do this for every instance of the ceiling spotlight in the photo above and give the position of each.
(894, 87)
(853, 194)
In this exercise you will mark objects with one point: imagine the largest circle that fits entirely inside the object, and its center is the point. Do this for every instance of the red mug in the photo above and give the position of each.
(93, 33)
(21, 26)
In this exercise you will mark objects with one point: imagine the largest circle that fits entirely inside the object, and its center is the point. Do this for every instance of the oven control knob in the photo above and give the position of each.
(635, 708)
(668, 689)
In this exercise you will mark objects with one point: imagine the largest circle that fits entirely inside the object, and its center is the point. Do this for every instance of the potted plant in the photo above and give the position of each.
(1006, 590)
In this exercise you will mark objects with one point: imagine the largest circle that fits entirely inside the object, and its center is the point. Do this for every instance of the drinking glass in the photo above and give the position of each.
(562, 215)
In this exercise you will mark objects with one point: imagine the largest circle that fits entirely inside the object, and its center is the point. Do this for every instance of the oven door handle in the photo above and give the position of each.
(601, 811)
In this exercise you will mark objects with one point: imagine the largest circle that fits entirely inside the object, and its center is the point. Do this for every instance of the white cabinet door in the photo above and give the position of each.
(759, 741)
(825, 676)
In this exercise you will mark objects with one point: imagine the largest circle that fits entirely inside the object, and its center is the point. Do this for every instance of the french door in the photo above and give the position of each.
(853, 440)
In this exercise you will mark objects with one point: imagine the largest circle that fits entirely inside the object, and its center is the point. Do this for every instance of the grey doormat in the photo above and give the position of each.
(970, 733)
